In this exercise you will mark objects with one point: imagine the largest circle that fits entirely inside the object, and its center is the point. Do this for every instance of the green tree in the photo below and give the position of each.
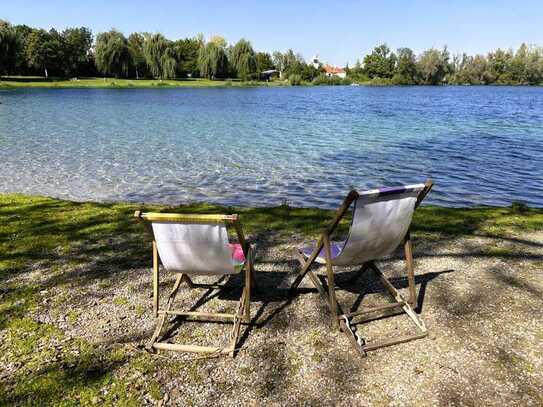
(518, 65)
(406, 68)
(212, 61)
(160, 56)
(263, 62)
(112, 54)
(499, 63)
(135, 48)
(243, 59)
(380, 63)
(433, 66)
(9, 47)
(288, 63)
(526, 66)
(472, 70)
(218, 41)
(45, 51)
(534, 66)
(77, 43)
(21, 63)
(187, 51)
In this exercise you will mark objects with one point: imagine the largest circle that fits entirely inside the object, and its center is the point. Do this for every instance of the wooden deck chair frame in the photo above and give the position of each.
(341, 320)
(243, 313)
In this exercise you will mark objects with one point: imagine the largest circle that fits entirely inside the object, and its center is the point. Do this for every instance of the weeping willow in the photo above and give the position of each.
(112, 54)
(159, 56)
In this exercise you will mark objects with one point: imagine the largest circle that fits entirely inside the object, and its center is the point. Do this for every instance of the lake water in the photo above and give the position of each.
(263, 146)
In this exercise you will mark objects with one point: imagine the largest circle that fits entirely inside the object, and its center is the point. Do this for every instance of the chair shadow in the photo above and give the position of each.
(273, 288)
(359, 282)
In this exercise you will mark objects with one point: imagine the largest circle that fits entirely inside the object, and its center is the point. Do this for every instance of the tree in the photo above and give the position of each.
(534, 66)
(45, 51)
(187, 51)
(212, 61)
(112, 54)
(9, 47)
(406, 68)
(433, 66)
(472, 70)
(263, 62)
(21, 64)
(218, 41)
(135, 48)
(499, 63)
(380, 63)
(77, 45)
(160, 56)
(243, 59)
(288, 63)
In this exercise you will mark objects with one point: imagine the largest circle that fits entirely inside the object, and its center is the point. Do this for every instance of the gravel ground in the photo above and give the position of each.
(483, 311)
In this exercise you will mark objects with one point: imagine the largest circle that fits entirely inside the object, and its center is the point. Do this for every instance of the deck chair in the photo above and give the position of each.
(380, 223)
(196, 245)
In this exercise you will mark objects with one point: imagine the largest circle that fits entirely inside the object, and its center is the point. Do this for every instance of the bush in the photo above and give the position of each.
(519, 207)
(322, 79)
(295, 80)
(358, 77)
(399, 79)
(380, 82)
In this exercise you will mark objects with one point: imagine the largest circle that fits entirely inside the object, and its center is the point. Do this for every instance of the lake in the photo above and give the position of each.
(306, 146)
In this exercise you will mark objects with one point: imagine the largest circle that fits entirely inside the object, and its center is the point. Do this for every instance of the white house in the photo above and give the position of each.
(335, 71)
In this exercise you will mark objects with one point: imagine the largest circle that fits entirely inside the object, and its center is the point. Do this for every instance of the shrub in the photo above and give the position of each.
(295, 80)
(519, 207)
(322, 79)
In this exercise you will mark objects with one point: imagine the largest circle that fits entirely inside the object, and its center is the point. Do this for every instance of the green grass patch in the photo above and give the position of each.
(40, 82)
(120, 300)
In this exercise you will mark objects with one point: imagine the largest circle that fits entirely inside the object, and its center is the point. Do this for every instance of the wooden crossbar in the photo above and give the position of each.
(185, 217)
(362, 311)
(195, 314)
(189, 348)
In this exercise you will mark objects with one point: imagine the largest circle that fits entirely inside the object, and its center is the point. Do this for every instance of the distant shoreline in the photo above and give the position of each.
(10, 82)
(112, 83)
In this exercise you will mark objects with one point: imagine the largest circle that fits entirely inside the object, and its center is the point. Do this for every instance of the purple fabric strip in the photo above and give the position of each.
(392, 190)
(335, 249)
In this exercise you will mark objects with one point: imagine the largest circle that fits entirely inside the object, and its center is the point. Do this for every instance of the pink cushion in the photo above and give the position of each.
(237, 254)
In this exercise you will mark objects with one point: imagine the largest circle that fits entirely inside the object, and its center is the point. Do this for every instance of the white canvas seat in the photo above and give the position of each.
(197, 249)
(380, 223)
(198, 245)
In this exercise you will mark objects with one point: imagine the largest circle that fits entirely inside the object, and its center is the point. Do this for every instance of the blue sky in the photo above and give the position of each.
(338, 31)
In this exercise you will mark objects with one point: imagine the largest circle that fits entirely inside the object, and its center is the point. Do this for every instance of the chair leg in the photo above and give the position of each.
(331, 285)
(247, 288)
(314, 279)
(162, 319)
(410, 272)
(234, 335)
(304, 270)
(155, 280)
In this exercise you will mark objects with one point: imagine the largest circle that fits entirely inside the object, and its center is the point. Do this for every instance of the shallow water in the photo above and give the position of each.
(263, 146)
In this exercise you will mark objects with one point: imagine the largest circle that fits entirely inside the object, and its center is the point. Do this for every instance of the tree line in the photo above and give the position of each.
(434, 67)
(75, 52)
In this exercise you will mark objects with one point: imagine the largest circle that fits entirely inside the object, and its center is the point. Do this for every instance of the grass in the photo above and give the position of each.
(53, 237)
(41, 82)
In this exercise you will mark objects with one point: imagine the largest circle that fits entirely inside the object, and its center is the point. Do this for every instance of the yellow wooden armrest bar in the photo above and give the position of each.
(189, 218)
